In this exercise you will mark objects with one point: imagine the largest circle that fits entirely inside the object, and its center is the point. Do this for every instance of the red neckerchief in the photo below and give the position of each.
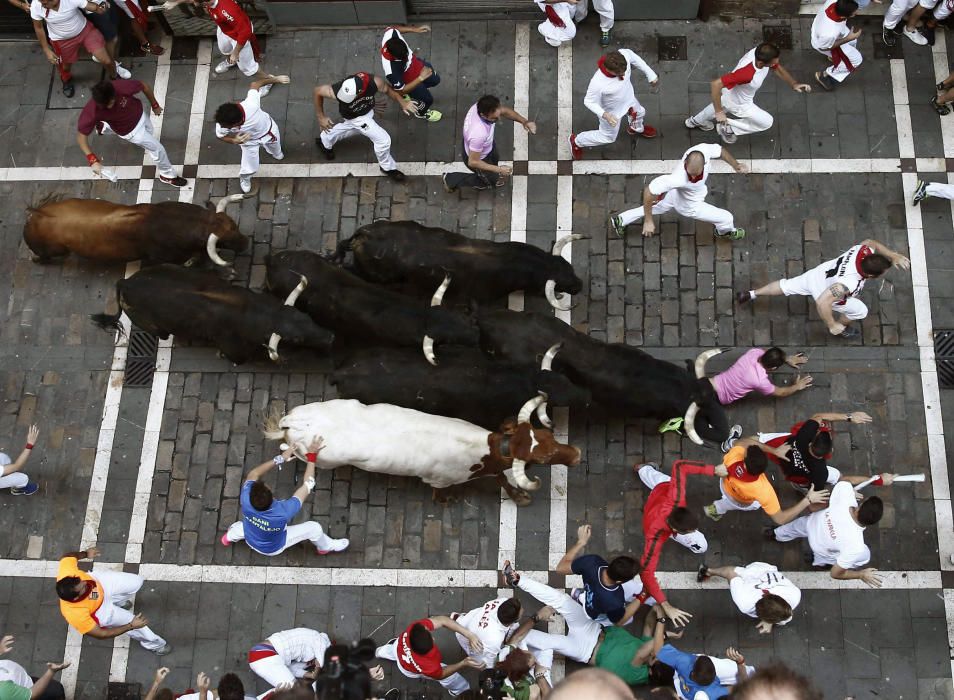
(832, 15)
(605, 72)
(554, 17)
(695, 178)
(738, 471)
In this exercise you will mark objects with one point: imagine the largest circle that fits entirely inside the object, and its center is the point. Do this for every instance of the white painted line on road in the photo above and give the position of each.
(200, 93)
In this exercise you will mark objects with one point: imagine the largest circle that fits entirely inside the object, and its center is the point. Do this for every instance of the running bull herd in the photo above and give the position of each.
(419, 354)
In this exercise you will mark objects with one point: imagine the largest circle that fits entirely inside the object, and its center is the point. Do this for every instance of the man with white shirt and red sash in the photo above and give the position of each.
(733, 111)
(832, 37)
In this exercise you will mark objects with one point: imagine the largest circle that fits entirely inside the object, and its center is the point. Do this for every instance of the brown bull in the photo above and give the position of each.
(165, 232)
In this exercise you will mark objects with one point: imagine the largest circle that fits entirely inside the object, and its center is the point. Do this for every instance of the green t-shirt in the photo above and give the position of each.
(616, 655)
(11, 691)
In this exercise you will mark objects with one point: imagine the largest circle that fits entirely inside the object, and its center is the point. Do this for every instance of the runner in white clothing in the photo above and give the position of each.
(492, 622)
(831, 36)
(758, 590)
(836, 284)
(685, 191)
(564, 15)
(733, 107)
(896, 12)
(610, 96)
(932, 189)
(836, 534)
(287, 655)
(246, 124)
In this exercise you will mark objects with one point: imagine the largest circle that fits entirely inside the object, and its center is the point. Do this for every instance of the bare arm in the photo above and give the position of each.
(789, 514)
(320, 94)
(157, 683)
(21, 460)
(781, 451)
(44, 44)
(269, 80)
(98, 632)
(95, 7)
(896, 258)
(407, 106)
(519, 118)
(652, 647)
(25, 6)
(730, 159)
(41, 683)
(850, 417)
(851, 36)
(836, 292)
(411, 28)
(307, 483)
(649, 226)
(474, 161)
(800, 383)
(628, 613)
(715, 91)
(790, 80)
(869, 576)
(151, 96)
(565, 566)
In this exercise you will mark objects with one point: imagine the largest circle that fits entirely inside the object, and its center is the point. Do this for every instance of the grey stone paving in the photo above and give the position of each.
(671, 295)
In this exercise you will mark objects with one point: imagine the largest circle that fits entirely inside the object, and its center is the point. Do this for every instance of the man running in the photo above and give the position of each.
(733, 111)
(411, 76)
(684, 190)
(832, 37)
(563, 16)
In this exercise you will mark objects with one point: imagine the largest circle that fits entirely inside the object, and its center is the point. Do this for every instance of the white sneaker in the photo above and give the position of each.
(264, 90)
(336, 546)
(223, 66)
(280, 156)
(122, 72)
(915, 36)
(245, 182)
(691, 123)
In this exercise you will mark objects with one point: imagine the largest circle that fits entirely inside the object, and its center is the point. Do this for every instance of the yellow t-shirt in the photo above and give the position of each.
(81, 614)
(745, 492)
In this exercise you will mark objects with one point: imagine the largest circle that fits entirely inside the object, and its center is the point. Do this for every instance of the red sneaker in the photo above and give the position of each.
(648, 132)
(574, 149)
(225, 540)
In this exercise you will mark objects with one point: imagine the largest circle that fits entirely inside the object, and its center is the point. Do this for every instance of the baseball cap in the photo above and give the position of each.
(348, 90)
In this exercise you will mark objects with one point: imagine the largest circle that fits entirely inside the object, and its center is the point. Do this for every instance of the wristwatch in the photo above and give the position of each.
(848, 417)
(278, 460)
(663, 620)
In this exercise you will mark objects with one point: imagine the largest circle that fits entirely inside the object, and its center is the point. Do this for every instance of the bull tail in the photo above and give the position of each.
(110, 322)
(272, 427)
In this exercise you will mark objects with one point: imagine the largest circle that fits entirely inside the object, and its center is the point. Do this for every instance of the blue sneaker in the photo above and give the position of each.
(28, 490)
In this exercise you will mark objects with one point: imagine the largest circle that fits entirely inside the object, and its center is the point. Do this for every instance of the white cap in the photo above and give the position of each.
(348, 90)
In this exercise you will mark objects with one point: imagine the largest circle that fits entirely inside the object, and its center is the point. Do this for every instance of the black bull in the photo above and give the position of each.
(466, 384)
(358, 310)
(172, 300)
(621, 378)
(406, 252)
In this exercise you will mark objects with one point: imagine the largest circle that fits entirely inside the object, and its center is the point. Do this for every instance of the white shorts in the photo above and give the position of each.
(810, 284)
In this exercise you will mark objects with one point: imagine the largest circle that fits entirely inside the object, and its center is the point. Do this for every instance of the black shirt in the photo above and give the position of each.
(801, 463)
(363, 103)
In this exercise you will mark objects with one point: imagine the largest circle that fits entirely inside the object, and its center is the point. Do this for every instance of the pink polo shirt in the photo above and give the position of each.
(478, 134)
(743, 377)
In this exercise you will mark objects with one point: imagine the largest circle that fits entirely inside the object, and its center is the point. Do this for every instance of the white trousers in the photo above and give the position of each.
(143, 136)
(118, 587)
(294, 534)
(798, 529)
(271, 142)
(555, 35)
(272, 670)
(582, 632)
(16, 480)
(454, 683)
(943, 10)
(696, 209)
(899, 8)
(852, 53)
(367, 127)
(605, 9)
(727, 503)
(726, 671)
(937, 189)
(694, 541)
(246, 61)
(743, 117)
(607, 133)
(805, 285)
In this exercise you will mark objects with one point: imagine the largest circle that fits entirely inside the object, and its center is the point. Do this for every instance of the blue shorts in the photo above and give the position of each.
(106, 23)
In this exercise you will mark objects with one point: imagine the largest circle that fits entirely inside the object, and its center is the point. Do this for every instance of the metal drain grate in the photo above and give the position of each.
(140, 359)
(779, 35)
(672, 48)
(944, 356)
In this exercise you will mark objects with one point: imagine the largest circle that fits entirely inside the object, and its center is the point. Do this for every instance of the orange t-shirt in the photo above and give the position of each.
(82, 613)
(745, 492)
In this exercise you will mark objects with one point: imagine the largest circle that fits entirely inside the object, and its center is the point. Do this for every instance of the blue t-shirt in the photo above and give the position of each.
(683, 662)
(597, 598)
(265, 530)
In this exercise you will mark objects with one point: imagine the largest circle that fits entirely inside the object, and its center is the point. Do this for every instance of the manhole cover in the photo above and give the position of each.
(672, 48)
(781, 36)
(140, 359)
(944, 357)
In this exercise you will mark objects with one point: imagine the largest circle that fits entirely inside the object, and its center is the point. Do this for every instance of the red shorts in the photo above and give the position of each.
(68, 49)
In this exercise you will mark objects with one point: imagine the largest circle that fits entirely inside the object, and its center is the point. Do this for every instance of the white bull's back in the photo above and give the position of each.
(389, 439)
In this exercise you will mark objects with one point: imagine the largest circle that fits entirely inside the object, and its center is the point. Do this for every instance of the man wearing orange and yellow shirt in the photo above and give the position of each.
(747, 487)
(98, 605)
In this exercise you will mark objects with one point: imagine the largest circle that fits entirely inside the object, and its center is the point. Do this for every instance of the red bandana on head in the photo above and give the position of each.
(738, 471)
(602, 66)
(832, 15)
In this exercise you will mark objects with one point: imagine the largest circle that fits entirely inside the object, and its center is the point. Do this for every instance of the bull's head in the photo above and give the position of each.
(564, 280)
(225, 232)
(529, 445)
(705, 401)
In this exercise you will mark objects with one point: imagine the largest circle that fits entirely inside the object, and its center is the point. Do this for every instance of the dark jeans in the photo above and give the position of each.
(478, 179)
(54, 691)
(422, 92)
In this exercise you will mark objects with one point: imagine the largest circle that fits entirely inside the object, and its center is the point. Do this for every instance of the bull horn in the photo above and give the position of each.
(689, 423)
(530, 406)
(213, 252)
(563, 241)
(273, 347)
(703, 358)
(542, 415)
(225, 201)
(441, 290)
(560, 303)
(547, 363)
(289, 301)
(429, 350)
(519, 471)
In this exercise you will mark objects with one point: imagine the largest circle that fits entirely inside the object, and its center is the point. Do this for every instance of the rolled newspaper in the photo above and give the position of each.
(903, 477)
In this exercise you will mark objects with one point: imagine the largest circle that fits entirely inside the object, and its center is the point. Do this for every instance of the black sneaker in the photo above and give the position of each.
(769, 534)
(395, 175)
(929, 34)
(702, 574)
(889, 36)
(177, 181)
(69, 89)
(329, 153)
(826, 81)
(849, 333)
(447, 188)
(735, 432)
(742, 298)
(939, 108)
(920, 193)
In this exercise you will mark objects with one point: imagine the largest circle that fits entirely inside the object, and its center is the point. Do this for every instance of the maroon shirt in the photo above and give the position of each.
(122, 117)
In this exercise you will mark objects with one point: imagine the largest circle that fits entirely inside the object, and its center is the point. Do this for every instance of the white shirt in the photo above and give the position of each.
(610, 94)
(258, 122)
(390, 33)
(757, 580)
(845, 269)
(826, 31)
(835, 534)
(483, 622)
(748, 78)
(12, 671)
(300, 644)
(678, 179)
(64, 23)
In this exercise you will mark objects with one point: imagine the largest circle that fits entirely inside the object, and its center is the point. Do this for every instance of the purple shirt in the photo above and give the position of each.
(745, 376)
(478, 134)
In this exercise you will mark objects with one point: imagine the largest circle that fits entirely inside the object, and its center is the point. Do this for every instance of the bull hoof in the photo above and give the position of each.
(520, 497)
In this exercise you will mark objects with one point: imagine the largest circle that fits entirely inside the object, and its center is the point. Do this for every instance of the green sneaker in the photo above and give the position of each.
(604, 39)
(431, 115)
(736, 235)
(712, 513)
(673, 425)
(616, 223)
